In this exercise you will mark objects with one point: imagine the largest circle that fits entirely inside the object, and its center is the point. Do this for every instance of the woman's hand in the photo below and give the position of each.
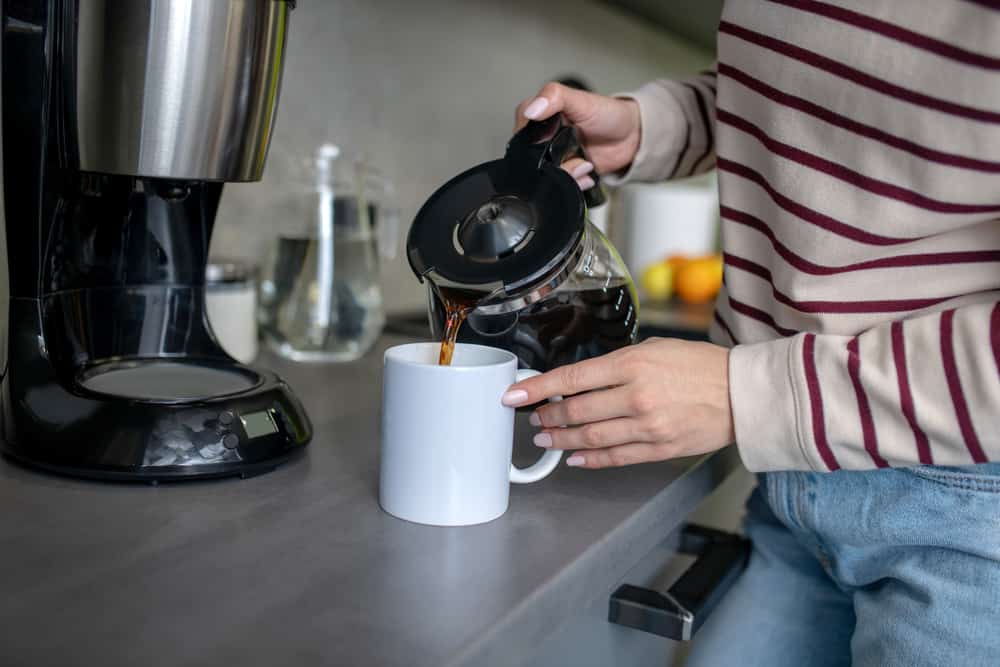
(609, 127)
(661, 399)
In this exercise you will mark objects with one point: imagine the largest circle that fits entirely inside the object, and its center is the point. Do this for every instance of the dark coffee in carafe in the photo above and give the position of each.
(565, 327)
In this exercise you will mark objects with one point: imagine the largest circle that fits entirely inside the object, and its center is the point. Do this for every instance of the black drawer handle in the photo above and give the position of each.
(680, 611)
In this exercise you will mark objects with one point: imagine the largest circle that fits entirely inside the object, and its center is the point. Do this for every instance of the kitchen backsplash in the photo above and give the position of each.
(427, 89)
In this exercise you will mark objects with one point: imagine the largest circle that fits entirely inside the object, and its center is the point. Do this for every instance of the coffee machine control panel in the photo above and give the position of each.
(258, 424)
(248, 426)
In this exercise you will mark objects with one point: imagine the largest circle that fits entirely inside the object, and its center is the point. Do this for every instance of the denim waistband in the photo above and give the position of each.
(980, 477)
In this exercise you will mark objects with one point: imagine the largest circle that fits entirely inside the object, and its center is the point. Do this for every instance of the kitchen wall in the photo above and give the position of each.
(427, 89)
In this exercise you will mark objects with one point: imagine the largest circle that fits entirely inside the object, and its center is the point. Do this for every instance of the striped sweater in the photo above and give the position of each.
(858, 152)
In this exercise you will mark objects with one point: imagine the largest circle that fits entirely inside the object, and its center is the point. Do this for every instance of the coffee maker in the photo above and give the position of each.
(121, 121)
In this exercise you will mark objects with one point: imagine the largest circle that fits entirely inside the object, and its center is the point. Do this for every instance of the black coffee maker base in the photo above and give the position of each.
(244, 423)
(153, 478)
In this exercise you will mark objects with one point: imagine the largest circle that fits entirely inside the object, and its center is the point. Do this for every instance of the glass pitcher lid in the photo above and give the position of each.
(503, 224)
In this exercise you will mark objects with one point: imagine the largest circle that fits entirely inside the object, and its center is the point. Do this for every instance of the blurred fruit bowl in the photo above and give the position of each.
(693, 280)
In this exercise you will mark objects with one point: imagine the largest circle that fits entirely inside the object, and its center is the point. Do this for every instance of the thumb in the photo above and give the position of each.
(577, 105)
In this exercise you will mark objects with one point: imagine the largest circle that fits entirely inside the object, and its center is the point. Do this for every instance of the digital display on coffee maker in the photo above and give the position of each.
(257, 424)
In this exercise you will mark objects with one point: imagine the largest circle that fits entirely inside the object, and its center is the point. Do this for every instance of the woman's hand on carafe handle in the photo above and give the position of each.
(658, 400)
(609, 127)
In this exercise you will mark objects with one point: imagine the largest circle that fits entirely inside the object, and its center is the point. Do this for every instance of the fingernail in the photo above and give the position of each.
(534, 419)
(575, 461)
(514, 398)
(585, 183)
(535, 109)
(583, 169)
(542, 440)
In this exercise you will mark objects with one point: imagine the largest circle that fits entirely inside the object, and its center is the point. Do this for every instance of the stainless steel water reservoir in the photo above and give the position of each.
(181, 89)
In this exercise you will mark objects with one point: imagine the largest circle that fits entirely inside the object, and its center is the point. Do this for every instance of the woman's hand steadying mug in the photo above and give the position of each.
(661, 399)
(609, 127)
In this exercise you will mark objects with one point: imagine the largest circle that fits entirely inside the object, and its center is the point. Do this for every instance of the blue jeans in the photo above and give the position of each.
(890, 567)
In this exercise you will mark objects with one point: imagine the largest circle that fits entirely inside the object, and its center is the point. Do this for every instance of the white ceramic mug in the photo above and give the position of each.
(447, 438)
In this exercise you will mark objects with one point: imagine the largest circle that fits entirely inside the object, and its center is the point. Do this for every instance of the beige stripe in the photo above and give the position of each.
(887, 59)
(840, 200)
(920, 282)
(768, 407)
(840, 409)
(754, 291)
(978, 373)
(745, 329)
(927, 127)
(868, 157)
(977, 25)
(878, 375)
(824, 247)
(929, 389)
(697, 138)
(700, 137)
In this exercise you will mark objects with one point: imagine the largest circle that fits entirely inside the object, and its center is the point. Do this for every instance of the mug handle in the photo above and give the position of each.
(550, 459)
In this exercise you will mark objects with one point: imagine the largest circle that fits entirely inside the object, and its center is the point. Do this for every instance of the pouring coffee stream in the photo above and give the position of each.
(506, 249)
(457, 306)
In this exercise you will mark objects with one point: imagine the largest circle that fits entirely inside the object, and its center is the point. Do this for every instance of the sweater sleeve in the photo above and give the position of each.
(924, 390)
(678, 134)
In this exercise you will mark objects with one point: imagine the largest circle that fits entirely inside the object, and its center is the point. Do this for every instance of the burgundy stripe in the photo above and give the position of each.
(835, 307)
(955, 388)
(896, 261)
(875, 186)
(893, 31)
(995, 335)
(725, 327)
(816, 403)
(988, 4)
(683, 151)
(821, 220)
(843, 122)
(905, 397)
(864, 410)
(759, 315)
(751, 267)
(706, 122)
(857, 76)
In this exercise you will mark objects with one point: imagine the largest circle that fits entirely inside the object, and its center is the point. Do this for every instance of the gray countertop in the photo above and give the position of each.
(301, 567)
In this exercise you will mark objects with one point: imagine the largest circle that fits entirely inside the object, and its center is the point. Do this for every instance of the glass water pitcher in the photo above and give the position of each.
(319, 296)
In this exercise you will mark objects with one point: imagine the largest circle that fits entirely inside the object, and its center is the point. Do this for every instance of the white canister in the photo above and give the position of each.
(231, 301)
(679, 217)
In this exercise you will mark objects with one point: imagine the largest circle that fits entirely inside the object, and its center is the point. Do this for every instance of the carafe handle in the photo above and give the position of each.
(552, 140)
(544, 466)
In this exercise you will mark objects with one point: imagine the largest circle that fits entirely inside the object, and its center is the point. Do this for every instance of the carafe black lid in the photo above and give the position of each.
(506, 224)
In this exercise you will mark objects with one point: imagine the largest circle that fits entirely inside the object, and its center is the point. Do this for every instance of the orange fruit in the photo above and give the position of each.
(675, 262)
(699, 280)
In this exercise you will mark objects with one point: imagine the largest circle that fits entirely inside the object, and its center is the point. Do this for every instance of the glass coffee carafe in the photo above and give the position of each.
(319, 296)
(508, 244)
